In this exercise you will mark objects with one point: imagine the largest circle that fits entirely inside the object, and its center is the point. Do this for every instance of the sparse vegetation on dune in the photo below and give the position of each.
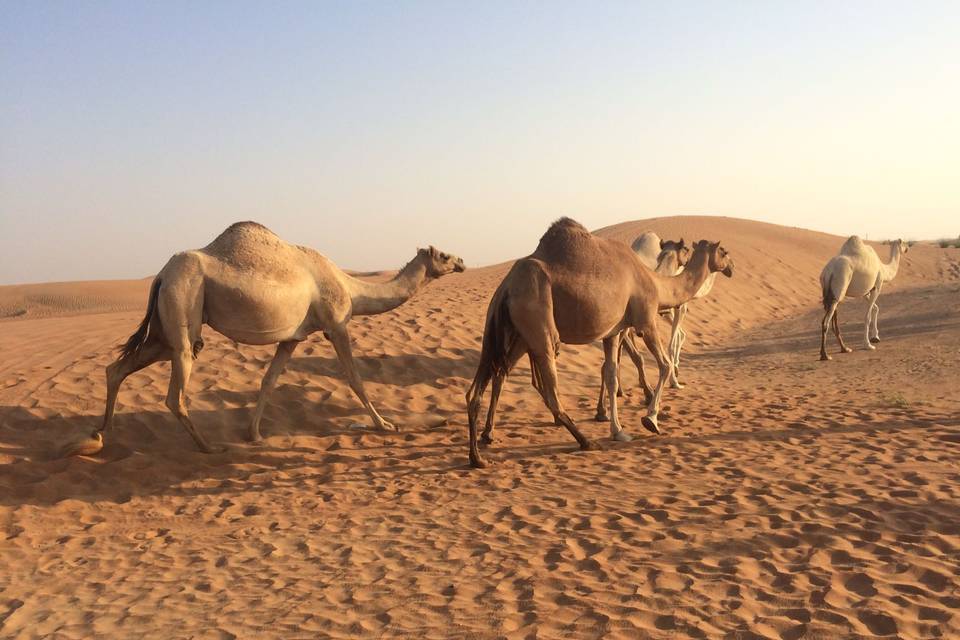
(947, 243)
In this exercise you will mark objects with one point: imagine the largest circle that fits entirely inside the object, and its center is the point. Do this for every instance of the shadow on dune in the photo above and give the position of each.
(150, 454)
(402, 370)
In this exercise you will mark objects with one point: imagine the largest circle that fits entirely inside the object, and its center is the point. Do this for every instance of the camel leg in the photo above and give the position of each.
(869, 317)
(674, 348)
(611, 348)
(341, 343)
(474, 398)
(619, 358)
(628, 343)
(824, 325)
(874, 330)
(519, 348)
(836, 330)
(538, 385)
(153, 351)
(546, 363)
(280, 359)
(636, 356)
(181, 366)
(652, 339)
(681, 337)
(601, 413)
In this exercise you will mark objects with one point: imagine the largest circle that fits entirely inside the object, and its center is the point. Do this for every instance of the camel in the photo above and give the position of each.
(646, 247)
(666, 257)
(577, 288)
(254, 288)
(856, 271)
(677, 335)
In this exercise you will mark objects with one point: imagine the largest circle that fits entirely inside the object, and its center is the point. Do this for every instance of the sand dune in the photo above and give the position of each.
(788, 498)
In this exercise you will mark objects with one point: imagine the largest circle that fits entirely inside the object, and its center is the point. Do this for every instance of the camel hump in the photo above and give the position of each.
(246, 227)
(852, 246)
(648, 241)
(243, 234)
(253, 247)
(564, 237)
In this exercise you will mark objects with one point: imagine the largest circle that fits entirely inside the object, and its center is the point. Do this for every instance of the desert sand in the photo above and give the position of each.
(788, 498)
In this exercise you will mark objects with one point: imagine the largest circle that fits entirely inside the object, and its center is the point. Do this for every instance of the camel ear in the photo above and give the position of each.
(433, 251)
(661, 245)
(421, 252)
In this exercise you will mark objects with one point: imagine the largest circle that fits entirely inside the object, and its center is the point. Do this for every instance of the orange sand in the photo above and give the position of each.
(788, 498)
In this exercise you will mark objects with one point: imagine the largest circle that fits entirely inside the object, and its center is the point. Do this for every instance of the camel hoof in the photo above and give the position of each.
(676, 385)
(590, 445)
(557, 422)
(650, 424)
(824, 357)
(478, 463)
(875, 340)
(871, 347)
(84, 447)
(846, 350)
(485, 440)
(622, 436)
(214, 450)
(601, 417)
(254, 438)
(619, 393)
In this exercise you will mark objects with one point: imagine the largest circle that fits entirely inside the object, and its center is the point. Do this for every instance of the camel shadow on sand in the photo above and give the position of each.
(401, 370)
(149, 454)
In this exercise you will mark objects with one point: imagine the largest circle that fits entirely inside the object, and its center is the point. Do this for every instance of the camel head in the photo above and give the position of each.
(439, 263)
(717, 257)
(903, 246)
(680, 247)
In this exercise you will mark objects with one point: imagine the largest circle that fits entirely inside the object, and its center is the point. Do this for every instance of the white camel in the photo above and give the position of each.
(677, 335)
(254, 288)
(856, 271)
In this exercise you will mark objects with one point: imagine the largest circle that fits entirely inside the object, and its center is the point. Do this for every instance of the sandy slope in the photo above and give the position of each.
(788, 498)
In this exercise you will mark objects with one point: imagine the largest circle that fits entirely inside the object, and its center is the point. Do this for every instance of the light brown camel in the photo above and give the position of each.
(856, 271)
(672, 256)
(254, 288)
(577, 288)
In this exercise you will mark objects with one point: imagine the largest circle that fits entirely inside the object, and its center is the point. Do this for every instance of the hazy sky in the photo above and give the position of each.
(129, 131)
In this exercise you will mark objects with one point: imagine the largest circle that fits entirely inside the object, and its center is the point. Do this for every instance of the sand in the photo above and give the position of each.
(788, 498)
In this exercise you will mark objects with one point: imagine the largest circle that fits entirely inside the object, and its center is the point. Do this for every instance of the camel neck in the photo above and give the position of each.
(677, 290)
(669, 264)
(371, 298)
(890, 268)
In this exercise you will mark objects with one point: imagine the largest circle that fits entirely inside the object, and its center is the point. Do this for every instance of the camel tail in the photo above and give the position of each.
(135, 342)
(828, 296)
(498, 337)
